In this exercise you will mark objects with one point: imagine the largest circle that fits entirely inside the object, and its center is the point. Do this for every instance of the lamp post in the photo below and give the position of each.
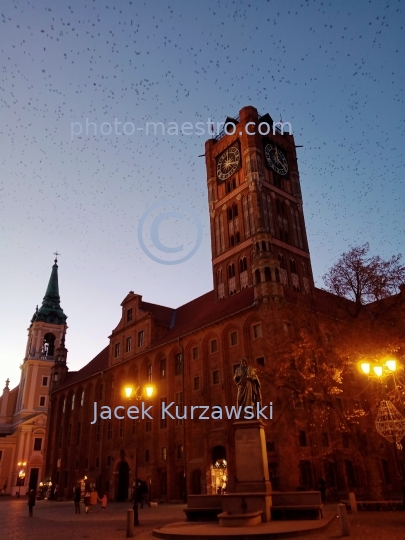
(390, 423)
(21, 475)
(133, 393)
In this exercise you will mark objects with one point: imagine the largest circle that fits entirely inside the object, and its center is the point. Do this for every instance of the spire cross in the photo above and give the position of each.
(56, 256)
(7, 382)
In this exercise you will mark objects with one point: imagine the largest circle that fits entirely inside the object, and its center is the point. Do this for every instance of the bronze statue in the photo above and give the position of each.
(248, 385)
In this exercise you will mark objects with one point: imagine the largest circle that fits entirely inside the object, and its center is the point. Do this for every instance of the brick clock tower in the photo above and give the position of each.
(258, 233)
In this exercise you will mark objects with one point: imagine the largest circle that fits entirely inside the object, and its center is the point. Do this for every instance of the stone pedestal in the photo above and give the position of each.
(253, 487)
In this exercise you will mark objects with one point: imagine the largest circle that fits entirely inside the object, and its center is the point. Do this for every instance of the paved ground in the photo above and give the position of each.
(57, 521)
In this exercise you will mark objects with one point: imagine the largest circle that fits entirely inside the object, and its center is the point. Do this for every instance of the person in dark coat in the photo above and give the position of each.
(31, 501)
(76, 498)
(322, 488)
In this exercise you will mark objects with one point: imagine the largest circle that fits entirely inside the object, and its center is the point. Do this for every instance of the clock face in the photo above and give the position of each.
(228, 163)
(276, 159)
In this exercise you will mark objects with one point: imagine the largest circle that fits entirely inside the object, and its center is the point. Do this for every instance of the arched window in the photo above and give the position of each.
(257, 276)
(281, 258)
(242, 264)
(82, 399)
(267, 274)
(48, 346)
(277, 275)
(231, 271)
(219, 277)
(264, 245)
(293, 266)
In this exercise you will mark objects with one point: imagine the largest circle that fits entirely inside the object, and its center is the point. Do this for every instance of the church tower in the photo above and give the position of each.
(45, 337)
(258, 233)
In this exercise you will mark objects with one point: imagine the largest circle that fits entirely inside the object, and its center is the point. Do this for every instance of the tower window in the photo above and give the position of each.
(242, 264)
(281, 258)
(230, 185)
(117, 350)
(257, 276)
(231, 271)
(129, 315)
(128, 344)
(141, 338)
(267, 274)
(293, 266)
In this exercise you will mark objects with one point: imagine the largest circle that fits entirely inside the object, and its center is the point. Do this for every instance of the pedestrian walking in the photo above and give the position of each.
(104, 500)
(31, 502)
(76, 498)
(86, 501)
(93, 500)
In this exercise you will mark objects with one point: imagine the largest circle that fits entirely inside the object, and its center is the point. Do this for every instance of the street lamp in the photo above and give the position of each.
(21, 475)
(133, 393)
(390, 424)
(378, 369)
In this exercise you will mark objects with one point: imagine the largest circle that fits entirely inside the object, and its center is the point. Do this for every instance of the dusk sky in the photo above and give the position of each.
(334, 70)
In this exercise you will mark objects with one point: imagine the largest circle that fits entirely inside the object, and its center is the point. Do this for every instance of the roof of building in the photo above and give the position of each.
(50, 310)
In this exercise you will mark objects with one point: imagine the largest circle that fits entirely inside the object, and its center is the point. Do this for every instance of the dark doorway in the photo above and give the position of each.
(33, 479)
(123, 481)
(196, 482)
(181, 483)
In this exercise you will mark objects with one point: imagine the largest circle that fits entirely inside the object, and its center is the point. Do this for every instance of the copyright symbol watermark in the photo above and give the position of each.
(170, 232)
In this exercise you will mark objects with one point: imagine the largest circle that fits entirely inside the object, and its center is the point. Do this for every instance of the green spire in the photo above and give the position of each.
(50, 311)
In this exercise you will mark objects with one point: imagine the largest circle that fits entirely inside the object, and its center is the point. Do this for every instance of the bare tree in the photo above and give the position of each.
(363, 278)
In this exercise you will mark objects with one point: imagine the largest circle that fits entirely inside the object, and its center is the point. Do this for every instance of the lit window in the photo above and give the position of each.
(234, 338)
(129, 315)
(128, 344)
(257, 330)
(215, 377)
(164, 452)
(214, 346)
(117, 350)
(141, 338)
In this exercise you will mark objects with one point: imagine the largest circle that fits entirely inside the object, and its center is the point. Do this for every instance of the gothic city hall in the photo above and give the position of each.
(106, 429)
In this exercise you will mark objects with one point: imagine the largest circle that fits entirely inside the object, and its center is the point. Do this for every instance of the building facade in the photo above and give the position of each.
(24, 409)
(264, 307)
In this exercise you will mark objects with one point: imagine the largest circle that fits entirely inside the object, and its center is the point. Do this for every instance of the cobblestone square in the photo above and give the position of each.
(57, 520)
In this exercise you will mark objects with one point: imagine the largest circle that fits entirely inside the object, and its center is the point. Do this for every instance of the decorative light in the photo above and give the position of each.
(128, 391)
(378, 370)
(390, 423)
(149, 390)
(391, 364)
(365, 367)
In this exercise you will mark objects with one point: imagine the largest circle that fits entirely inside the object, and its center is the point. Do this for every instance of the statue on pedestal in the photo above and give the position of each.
(248, 384)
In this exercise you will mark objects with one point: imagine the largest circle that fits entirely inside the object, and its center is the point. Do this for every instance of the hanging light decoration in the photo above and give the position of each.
(390, 423)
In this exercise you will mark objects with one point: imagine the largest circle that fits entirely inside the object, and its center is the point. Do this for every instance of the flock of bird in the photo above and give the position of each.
(333, 70)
